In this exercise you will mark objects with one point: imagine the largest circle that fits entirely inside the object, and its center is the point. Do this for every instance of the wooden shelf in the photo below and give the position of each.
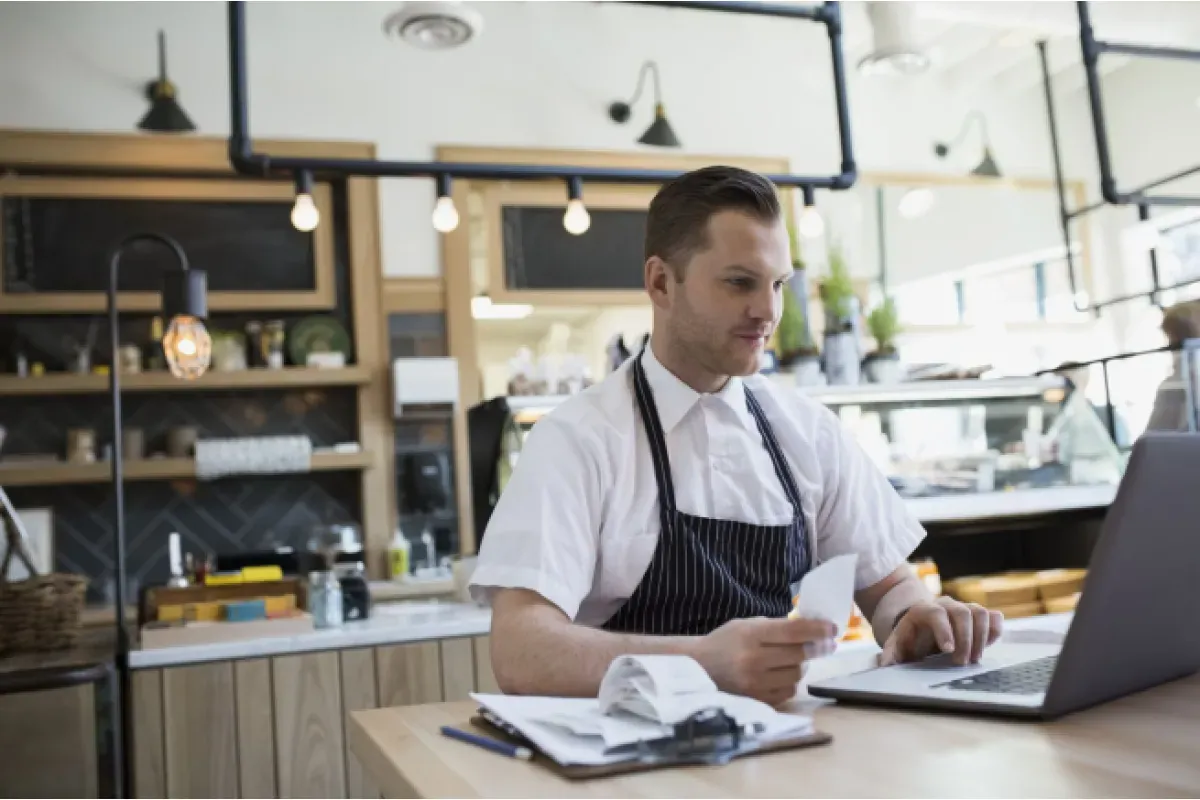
(69, 383)
(148, 469)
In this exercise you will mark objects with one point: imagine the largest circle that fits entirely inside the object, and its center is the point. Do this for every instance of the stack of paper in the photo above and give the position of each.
(641, 699)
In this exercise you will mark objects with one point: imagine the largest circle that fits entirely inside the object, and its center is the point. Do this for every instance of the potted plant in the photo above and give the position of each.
(882, 365)
(796, 351)
(841, 305)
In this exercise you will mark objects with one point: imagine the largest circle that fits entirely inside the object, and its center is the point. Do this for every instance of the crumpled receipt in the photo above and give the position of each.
(827, 593)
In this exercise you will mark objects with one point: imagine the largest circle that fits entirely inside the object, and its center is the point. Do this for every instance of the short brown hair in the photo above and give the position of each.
(676, 226)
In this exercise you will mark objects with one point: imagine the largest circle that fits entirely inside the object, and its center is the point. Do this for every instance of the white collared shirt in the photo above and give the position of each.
(578, 521)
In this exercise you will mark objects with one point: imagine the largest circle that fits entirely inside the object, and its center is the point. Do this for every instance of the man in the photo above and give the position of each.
(1079, 376)
(669, 508)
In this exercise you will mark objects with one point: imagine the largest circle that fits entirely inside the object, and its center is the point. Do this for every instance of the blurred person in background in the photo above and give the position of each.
(1078, 377)
(1180, 323)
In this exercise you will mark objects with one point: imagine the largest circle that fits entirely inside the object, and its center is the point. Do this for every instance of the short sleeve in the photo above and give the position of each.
(544, 533)
(860, 511)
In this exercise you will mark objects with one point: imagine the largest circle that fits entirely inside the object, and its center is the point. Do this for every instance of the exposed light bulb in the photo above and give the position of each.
(188, 347)
(445, 215)
(576, 219)
(812, 226)
(305, 215)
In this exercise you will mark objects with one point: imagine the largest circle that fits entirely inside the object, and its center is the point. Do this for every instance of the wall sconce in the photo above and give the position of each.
(659, 133)
(987, 167)
(165, 114)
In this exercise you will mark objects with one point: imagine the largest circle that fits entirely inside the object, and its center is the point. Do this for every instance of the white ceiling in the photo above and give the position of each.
(991, 45)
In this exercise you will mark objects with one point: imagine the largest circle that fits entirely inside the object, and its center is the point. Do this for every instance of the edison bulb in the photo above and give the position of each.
(188, 347)
(305, 215)
(812, 226)
(576, 219)
(445, 215)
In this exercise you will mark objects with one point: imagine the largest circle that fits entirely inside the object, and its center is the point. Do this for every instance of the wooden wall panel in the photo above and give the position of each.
(485, 679)
(255, 728)
(200, 731)
(371, 353)
(359, 691)
(48, 743)
(458, 669)
(149, 776)
(409, 674)
(308, 725)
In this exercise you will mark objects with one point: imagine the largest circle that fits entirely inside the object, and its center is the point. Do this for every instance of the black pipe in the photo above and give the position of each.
(1148, 50)
(833, 25)
(816, 13)
(1064, 216)
(1091, 59)
(1104, 359)
(1144, 216)
(244, 160)
(1125, 298)
(1089, 208)
(1183, 173)
(1158, 200)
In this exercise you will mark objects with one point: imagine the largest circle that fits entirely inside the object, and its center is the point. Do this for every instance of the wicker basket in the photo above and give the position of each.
(42, 612)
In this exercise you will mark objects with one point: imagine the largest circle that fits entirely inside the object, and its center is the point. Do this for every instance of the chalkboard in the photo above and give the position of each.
(540, 254)
(64, 244)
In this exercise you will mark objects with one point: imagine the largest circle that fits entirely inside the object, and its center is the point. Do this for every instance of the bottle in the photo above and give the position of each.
(401, 556)
(155, 358)
(325, 600)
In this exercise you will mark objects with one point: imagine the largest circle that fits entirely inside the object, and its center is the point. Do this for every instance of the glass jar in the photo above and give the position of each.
(325, 600)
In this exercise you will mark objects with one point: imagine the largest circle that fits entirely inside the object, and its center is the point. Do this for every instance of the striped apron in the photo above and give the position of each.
(706, 572)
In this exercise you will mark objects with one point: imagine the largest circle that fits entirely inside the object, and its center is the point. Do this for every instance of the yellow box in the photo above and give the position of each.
(271, 572)
(173, 613)
(281, 604)
(223, 579)
(202, 612)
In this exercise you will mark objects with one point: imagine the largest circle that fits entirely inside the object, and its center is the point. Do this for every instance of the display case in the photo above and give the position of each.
(964, 450)
(966, 438)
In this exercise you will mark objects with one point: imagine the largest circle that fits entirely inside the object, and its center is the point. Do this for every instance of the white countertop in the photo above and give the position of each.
(392, 623)
(1016, 503)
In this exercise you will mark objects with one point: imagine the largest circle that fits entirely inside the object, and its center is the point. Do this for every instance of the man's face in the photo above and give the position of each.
(730, 299)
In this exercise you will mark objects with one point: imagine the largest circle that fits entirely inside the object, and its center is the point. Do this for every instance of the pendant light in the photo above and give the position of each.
(812, 225)
(987, 167)
(576, 219)
(305, 214)
(165, 114)
(445, 215)
(660, 133)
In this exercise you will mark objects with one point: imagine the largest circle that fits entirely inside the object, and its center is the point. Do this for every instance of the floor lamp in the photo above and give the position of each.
(188, 349)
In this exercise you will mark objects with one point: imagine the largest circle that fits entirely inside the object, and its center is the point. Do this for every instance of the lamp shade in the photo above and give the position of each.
(987, 168)
(185, 291)
(165, 114)
(660, 133)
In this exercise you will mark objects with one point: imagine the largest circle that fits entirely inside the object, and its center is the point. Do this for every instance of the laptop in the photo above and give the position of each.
(1137, 624)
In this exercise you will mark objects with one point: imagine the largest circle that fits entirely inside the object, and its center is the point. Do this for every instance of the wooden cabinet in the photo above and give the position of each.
(276, 726)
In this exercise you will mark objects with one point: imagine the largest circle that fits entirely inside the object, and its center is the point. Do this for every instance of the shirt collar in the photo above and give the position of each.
(675, 399)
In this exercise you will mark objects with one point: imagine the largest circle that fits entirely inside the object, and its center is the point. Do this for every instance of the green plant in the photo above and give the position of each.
(884, 323)
(837, 289)
(793, 337)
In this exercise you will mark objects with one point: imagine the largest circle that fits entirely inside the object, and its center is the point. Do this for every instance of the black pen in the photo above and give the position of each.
(503, 748)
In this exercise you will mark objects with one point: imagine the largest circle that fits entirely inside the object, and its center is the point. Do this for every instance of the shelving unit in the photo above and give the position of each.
(149, 469)
(298, 377)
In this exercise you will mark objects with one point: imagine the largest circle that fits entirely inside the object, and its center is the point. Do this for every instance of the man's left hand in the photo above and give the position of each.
(943, 625)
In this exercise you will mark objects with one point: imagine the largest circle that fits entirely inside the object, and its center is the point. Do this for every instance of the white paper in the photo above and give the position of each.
(827, 592)
(663, 689)
(574, 731)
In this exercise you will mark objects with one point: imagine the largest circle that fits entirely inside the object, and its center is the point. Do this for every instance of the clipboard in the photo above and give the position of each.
(492, 725)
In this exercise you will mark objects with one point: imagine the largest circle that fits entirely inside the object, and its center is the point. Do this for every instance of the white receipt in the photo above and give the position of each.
(827, 592)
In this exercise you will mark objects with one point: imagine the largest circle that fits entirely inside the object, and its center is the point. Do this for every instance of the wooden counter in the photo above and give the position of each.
(271, 722)
(1141, 745)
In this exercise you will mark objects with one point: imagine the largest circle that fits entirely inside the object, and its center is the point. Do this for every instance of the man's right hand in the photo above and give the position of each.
(763, 658)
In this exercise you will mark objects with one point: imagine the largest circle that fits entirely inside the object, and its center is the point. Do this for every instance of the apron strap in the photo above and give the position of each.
(658, 441)
(782, 471)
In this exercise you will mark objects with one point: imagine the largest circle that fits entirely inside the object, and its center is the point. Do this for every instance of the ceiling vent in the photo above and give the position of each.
(434, 25)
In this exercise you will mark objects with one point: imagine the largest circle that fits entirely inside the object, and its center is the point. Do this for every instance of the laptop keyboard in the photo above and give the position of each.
(1030, 677)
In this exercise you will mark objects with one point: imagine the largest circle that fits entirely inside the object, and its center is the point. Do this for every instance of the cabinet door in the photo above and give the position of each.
(201, 731)
(308, 725)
